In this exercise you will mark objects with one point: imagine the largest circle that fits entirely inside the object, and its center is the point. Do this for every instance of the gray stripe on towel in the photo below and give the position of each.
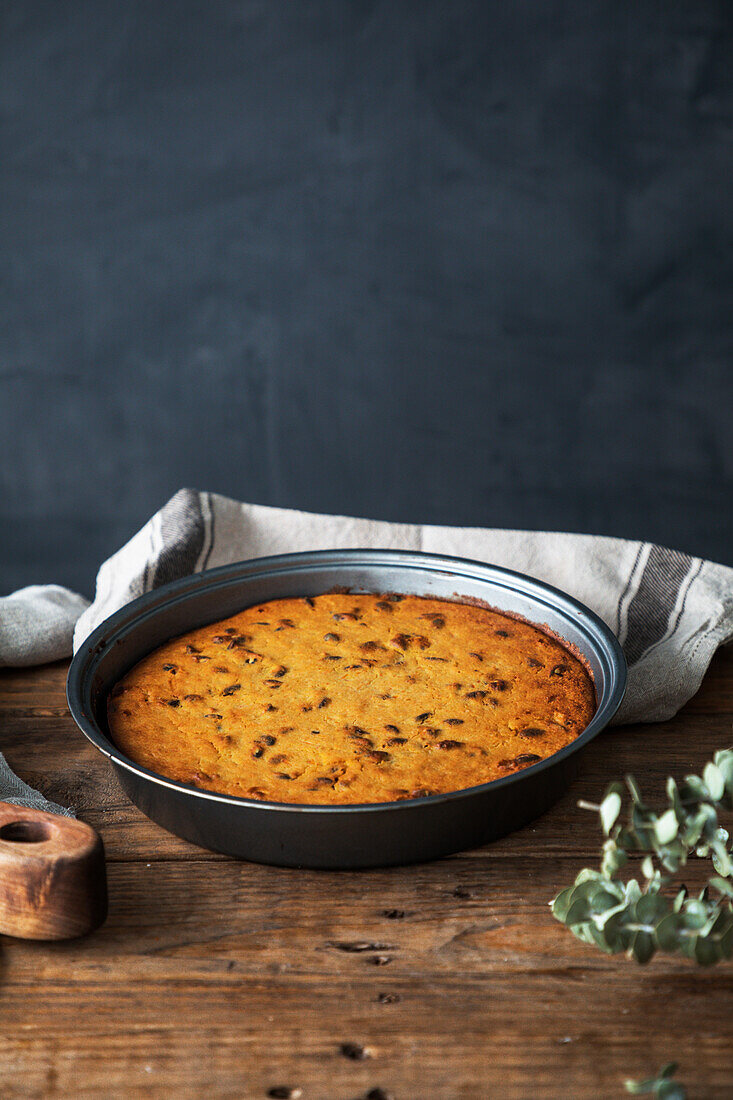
(650, 611)
(182, 534)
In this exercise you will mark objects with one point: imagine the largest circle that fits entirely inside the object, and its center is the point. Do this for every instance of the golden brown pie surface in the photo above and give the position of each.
(346, 698)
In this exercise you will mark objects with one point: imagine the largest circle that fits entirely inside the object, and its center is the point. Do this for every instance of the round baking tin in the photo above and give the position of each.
(365, 835)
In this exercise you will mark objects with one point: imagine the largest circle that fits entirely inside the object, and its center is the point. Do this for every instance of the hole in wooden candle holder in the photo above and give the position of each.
(25, 832)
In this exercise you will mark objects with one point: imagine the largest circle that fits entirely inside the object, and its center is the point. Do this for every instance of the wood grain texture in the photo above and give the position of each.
(213, 977)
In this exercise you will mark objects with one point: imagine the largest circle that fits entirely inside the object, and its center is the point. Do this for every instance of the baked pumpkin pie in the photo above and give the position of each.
(351, 698)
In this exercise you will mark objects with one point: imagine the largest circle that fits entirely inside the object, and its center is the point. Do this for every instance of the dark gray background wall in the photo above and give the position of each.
(456, 262)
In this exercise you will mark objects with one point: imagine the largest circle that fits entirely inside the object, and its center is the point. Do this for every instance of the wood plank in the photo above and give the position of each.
(498, 1038)
(213, 977)
(267, 920)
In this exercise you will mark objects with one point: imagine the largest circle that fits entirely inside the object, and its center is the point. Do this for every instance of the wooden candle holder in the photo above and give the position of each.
(53, 883)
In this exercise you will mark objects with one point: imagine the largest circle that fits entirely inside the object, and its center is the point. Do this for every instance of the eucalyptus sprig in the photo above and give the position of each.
(618, 914)
(661, 1086)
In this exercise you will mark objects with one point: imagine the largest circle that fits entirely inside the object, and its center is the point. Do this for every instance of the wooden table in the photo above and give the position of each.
(450, 979)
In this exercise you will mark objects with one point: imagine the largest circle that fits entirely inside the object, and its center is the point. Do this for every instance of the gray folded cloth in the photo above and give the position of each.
(37, 624)
(670, 611)
(18, 793)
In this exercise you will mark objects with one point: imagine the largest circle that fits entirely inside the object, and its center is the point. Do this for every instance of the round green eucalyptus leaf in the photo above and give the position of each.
(671, 1090)
(687, 946)
(694, 827)
(607, 940)
(578, 913)
(722, 885)
(601, 901)
(673, 794)
(609, 811)
(667, 932)
(694, 914)
(672, 858)
(714, 781)
(651, 908)
(721, 858)
(706, 952)
(583, 932)
(679, 900)
(638, 1088)
(588, 874)
(613, 920)
(583, 895)
(642, 947)
(633, 891)
(694, 785)
(584, 891)
(710, 815)
(627, 839)
(666, 827)
(724, 763)
(726, 942)
(561, 904)
(722, 919)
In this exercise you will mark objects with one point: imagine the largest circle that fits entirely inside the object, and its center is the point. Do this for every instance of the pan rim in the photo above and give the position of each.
(140, 610)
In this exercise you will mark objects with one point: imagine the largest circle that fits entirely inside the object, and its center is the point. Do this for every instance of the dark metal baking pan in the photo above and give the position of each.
(379, 834)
